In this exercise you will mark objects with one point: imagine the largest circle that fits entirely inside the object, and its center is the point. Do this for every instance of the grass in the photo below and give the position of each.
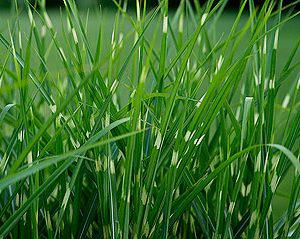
(160, 126)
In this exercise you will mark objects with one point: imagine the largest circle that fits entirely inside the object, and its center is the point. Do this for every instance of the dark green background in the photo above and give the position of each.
(108, 3)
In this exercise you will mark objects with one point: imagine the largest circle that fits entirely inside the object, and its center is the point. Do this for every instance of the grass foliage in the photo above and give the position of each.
(167, 131)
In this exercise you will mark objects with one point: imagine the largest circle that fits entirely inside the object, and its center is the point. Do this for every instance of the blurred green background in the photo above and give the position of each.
(131, 3)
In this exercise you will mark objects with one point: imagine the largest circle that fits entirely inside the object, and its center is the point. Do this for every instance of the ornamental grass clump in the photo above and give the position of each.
(161, 124)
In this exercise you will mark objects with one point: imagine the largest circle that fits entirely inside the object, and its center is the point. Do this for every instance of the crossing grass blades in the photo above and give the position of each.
(167, 131)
